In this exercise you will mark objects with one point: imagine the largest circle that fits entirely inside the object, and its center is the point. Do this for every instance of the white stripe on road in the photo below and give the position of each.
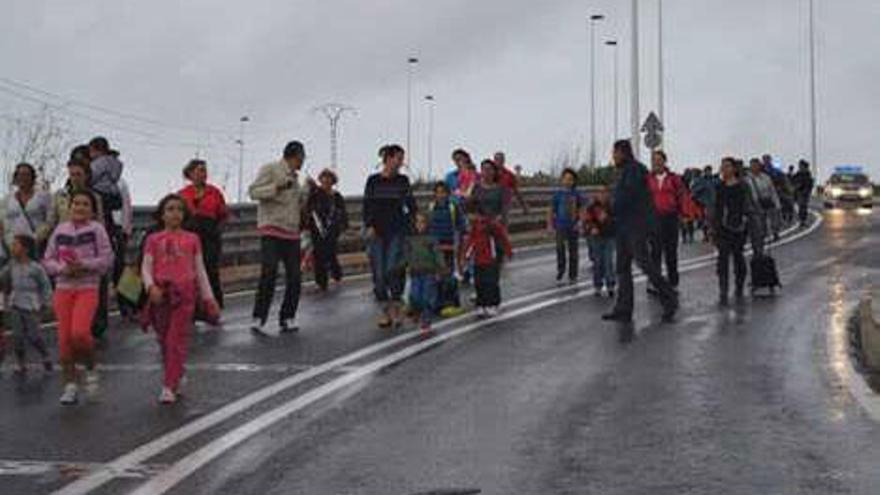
(196, 460)
(72, 469)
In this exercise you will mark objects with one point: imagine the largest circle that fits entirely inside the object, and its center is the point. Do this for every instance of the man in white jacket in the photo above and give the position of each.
(280, 195)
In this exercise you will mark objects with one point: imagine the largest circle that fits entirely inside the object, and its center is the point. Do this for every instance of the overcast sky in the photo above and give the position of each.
(509, 74)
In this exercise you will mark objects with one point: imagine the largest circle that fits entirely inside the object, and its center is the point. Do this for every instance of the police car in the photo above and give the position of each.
(848, 186)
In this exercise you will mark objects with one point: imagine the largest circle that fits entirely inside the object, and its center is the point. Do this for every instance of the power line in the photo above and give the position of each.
(115, 113)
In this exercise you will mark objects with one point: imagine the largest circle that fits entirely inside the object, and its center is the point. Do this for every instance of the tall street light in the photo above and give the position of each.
(592, 26)
(634, 84)
(432, 102)
(613, 44)
(410, 69)
(660, 74)
(814, 158)
(240, 141)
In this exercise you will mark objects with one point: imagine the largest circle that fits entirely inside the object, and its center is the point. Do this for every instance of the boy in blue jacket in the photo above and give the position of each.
(447, 226)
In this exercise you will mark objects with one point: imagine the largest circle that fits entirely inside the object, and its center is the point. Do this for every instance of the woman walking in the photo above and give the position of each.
(208, 215)
(732, 209)
(27, 209)
(388, 210)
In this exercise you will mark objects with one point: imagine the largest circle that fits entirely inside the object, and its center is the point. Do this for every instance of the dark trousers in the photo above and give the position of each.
(803, 208)
(272, 251)
(488, 285)
(567, 253)
(326, 260)
(212, 251)
(664, 246)
(731, 246)
(634, 248)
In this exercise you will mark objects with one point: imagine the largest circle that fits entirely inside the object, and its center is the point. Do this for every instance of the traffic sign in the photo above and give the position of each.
(653, 140)
(652, 124)
(653, 130)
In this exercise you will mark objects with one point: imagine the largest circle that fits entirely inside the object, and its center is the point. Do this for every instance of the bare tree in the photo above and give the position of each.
(40, 139)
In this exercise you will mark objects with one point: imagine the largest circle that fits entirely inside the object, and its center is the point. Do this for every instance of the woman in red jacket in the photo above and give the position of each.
(208, 214)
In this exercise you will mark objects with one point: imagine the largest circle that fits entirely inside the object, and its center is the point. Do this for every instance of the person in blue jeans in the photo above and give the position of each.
(562, 219)
(426, 267)
(599, 229)
(388, 209)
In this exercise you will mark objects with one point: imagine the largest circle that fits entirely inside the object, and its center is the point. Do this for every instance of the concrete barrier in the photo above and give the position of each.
(870, 331)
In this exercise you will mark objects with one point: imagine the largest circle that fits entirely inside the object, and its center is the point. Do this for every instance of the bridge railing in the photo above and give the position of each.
(240, 261)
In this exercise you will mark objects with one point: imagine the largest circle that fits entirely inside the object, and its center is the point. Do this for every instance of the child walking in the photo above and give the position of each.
(599, 228)
(565, 210)
(78, 255)
(486, 235)
(425, 263)
(174, 275)
(447, 227)
(326, 220)
(28, 291)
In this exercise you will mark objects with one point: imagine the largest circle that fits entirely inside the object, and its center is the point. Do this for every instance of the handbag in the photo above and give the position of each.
(130, 286)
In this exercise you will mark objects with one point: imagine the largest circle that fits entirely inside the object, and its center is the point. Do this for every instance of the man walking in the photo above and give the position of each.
(803, 187)
(668, 192)
(634, 216)
(765, 205)
(280, 196)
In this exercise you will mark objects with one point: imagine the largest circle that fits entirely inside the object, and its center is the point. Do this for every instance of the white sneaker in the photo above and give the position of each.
(257, 327)
(68, 398)
(167, 396)
(93, 383)
(493, 311)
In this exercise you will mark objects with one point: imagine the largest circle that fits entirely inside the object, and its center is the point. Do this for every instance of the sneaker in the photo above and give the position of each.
(257, 326)
(92, 383)
(482, 312)
(69, 397)
(618, 317)
(493, 311)
(288, 326)
(611, 293)
(452, 311)
(384, 321)
(425, 329)
(167, 396)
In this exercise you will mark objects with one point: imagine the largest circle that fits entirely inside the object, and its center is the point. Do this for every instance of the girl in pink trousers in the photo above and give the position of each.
(174, 275)
(78, 255)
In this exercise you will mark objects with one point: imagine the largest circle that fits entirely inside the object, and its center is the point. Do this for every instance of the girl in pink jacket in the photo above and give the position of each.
(175, 278)
(78, 254)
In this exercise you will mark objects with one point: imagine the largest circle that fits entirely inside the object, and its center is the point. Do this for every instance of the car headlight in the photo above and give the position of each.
(865, 192)
(836, 192)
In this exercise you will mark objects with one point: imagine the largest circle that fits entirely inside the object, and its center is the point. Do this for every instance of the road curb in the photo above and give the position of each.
(869, 331)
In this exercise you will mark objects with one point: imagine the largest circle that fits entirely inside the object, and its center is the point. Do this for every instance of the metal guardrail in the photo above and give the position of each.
(241, 240)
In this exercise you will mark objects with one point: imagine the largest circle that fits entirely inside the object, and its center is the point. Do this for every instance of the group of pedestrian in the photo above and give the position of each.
(65, 250)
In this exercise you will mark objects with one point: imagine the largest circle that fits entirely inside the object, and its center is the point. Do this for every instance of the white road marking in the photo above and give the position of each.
(72, 469)
(183, 468)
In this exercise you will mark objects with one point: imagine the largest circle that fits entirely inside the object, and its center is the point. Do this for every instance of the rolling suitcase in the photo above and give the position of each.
(764, 273)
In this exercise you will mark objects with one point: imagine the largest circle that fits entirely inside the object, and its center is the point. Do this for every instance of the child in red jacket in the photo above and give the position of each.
(485, 235)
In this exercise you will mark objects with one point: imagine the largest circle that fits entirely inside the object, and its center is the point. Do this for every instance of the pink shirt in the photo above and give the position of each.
(86, 244)
(175, 257)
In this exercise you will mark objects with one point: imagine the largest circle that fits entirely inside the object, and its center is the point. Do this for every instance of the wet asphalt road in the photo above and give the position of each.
(750, 399)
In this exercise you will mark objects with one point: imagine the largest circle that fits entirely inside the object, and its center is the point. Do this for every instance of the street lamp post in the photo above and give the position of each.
(592, 25)
(634, 84)
(660, 73)
(410, 69)
(613, 44)
(242, 121)
(813, 117)
(431, 103)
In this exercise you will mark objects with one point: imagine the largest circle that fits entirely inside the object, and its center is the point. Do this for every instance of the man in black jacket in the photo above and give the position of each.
(634, 217)
(803, 188)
